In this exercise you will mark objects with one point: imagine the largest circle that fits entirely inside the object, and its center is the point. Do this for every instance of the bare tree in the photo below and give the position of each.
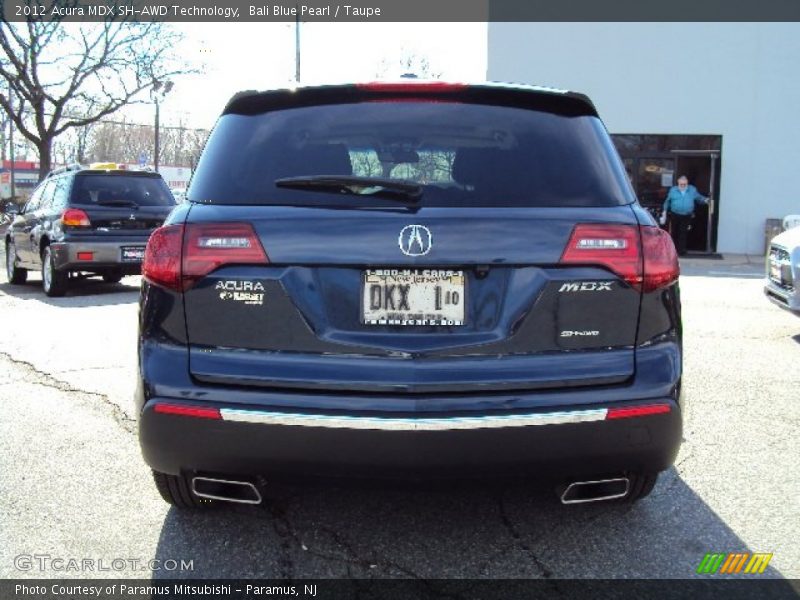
(408, 63)
(62, 76)
(119, 141)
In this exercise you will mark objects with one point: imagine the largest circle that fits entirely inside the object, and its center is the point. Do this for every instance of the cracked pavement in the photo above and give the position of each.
(74, 485)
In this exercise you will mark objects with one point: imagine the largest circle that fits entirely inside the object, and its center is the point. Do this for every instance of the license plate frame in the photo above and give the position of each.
(131, 253)
(423, 306)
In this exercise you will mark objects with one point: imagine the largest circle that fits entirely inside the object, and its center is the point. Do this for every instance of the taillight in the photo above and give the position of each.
(649, 264)
(162, 257)
(179, 255)
(661, 266)
(75, 217)
(208, 246)
(615, 247)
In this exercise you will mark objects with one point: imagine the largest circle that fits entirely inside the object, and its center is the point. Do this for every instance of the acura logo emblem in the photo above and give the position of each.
(415, 240)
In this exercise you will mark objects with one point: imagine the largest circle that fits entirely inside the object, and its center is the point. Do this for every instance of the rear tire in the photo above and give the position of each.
(54, 283)
(16, 275)
(641, 484)
(177, 491)
(112, 277)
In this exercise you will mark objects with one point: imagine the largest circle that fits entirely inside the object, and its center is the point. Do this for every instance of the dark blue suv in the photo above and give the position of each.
(410, 280)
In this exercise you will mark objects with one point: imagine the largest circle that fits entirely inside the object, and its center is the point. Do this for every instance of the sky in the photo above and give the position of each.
(242, 56)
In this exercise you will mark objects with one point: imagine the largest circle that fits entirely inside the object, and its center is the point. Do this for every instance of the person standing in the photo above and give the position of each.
(679, 205)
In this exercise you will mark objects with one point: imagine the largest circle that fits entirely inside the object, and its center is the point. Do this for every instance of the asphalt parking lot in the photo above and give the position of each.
(74, 485)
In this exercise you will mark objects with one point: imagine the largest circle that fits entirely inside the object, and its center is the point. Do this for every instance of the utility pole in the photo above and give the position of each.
(297, 45)
(11, 144)
(159, 90)
(155, 156)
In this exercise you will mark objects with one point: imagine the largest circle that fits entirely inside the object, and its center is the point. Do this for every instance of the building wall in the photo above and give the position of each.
(738, 80)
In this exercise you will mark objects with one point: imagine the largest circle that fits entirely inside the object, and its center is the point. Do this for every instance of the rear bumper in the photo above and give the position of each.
(106, 254)
(572, 442)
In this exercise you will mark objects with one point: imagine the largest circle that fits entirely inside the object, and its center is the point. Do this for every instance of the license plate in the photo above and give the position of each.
(413, 297)
(132, 253)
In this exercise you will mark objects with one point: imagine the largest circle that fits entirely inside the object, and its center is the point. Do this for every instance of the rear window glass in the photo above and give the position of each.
(461, 154)
(120, 190)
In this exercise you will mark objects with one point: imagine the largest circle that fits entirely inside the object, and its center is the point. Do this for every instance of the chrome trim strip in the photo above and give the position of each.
(244, 484)
(412, 424)
(627, 481)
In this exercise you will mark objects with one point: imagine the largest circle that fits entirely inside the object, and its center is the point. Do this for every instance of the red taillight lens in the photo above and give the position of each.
(661, 266)
(178, 255)
(188, 411)
(162, 257)
(75, 217)
(208, 246)
(615, 247)
(637, 411)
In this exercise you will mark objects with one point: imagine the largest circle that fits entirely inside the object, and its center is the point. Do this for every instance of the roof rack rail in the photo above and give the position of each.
(65, 169)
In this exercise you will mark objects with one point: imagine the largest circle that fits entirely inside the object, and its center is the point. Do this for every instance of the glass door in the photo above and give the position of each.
(654, 178)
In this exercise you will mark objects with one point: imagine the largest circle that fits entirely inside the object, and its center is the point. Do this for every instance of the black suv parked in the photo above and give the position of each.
(415, 280)
(94, 221)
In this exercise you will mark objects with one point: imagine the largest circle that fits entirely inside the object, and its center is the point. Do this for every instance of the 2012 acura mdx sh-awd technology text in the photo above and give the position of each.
(422, 280)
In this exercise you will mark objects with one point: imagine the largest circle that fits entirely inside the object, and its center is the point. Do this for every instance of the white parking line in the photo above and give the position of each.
(736, 274)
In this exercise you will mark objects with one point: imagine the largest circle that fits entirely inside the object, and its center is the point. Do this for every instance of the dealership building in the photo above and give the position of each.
(718, 102)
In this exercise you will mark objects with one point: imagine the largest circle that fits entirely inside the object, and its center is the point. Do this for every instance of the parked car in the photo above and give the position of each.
(783, 266)
(86, 220)
(409, 280)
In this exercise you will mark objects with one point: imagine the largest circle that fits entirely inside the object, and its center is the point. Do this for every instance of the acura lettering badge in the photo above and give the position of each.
(415, 240)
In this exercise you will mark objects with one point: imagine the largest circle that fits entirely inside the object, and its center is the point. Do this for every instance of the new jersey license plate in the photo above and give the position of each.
(413, 297)
(132, 253)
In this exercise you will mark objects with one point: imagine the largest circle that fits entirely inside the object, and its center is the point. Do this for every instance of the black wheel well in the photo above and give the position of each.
(43, 243)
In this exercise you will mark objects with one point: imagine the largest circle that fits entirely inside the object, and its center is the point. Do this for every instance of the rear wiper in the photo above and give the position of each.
(358, 186)
(118, 203)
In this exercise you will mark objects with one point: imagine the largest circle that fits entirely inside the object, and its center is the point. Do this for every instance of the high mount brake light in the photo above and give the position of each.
(431, 87)
(179, 255)
(643, 256)
(75, 217)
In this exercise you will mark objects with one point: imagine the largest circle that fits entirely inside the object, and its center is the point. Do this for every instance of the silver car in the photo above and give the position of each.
(783, 266)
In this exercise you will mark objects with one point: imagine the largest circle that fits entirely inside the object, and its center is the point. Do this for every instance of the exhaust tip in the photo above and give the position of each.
(581, 492)
(227, 490)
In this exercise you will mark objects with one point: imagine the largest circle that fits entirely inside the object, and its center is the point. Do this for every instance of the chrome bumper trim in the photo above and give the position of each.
(413, 424)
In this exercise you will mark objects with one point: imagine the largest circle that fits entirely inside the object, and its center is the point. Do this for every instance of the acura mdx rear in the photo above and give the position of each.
(415, 280)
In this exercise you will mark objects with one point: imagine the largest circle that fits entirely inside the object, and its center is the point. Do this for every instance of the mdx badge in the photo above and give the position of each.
(586, 286)
(415, 240)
